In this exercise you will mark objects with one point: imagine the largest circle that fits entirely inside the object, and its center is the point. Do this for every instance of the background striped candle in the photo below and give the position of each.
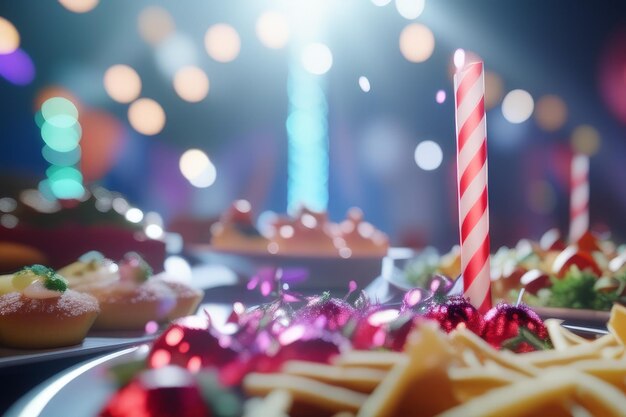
(579, 197)
(471, 133)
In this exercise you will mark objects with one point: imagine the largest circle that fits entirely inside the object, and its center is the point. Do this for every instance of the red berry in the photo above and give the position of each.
(503, 322)
(456, 311)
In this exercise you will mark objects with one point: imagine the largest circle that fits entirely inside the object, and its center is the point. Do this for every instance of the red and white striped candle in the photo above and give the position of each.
(471, 135)
(579, 197)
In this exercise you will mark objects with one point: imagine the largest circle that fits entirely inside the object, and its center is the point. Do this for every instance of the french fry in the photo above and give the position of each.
(617, 322)
(355, 378)
(472, 382)
(276, 404)
(561, 337)
(611, 371)
(370, 359)
(422, 371)
(530, 396)
(305, 390)
(466, 339)
(589, 350)
(599, 397)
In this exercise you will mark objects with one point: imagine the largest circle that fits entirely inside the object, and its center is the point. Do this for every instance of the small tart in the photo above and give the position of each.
(130, 306)
(29, 323)
(187, 298)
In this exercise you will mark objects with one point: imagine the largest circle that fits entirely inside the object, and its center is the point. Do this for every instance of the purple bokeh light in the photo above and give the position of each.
(17, 67)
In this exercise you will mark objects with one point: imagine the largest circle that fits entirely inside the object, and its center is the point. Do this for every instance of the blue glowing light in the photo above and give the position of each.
(307, 131)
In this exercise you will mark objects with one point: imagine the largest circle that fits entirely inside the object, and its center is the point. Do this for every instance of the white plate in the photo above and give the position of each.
(79, 391)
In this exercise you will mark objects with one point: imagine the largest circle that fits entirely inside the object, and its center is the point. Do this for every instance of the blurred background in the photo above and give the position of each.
(179, 108)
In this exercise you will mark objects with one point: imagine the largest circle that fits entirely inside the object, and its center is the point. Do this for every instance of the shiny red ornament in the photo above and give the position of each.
(189, 343)
(456, 311)
(327, 313)
(165, 392)
(503, 323)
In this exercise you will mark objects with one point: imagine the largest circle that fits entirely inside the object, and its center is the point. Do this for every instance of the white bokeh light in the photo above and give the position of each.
(459, 58)
(410, 9)
(316, 58)
(222, 42)
(272, 29)
(440, 97)
(517, 106)
(134, 215)
(364, 83)
(154, 231)
(381, 3)
(206, 178)
(178, 267)
(192, 163)
(428, 155)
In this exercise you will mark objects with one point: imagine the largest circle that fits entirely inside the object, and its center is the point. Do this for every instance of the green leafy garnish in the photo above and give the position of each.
(37, 269)
(50, 279)
(55, 282)
(576, 290)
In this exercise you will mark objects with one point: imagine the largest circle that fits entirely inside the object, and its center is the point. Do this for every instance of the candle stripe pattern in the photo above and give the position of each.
(579, 197)
(471, 133)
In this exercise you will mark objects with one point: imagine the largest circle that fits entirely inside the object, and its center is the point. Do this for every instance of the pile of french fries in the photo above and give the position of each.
(456, 374)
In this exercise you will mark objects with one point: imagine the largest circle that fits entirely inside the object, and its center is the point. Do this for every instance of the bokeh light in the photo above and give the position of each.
(134, 215)
(79, 6)
(61, 139)
(458, 58)
(175, 52)
(101, 144)
(122, 83)
(428, 155)
(59, 112)
(364, 83)
(206, 178)
(317, 58)
(381, 3)
(9, 37)
(222, 42)
(494, 89)
(54, 157)
(155, 24)
(612, 74)
(585, 140)
(550, 112)
(17, 67)
(440, 97)
(192, 163)
(417, 42)
(517, 106)
(272, 29)
(146, 116)
(191, 84)
(410, 9)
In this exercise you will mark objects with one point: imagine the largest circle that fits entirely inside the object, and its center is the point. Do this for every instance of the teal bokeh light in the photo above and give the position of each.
(67, 188)
(58, 173)
(54, 157)
(61, 139)
(59, 111)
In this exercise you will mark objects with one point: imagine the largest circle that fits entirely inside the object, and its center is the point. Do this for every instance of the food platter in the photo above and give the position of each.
(94, 343)
(89, 380)
(313, 272)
